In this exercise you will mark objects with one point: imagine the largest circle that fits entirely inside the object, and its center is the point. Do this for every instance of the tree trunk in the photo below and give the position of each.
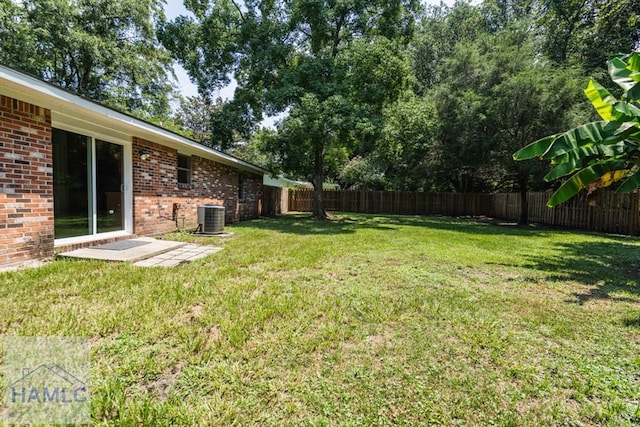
(318, 179)
(524, 203)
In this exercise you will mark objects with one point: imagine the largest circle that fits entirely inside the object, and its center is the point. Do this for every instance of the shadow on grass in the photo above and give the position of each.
(610, 269)
(474, 225)
(303, 223)
(633, 322)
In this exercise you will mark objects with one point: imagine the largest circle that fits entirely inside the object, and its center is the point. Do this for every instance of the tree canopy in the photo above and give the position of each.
(370, 93)
(332, 66)
(105, 50)
(502, 74)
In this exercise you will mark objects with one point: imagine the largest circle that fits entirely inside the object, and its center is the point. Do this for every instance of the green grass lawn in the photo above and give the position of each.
(369, 320)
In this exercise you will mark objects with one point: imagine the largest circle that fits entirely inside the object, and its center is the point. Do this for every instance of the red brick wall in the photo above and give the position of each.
(26, 186)
(26, 182)
(156, 190)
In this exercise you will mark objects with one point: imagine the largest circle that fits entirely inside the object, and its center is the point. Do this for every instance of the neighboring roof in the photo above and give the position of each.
(67, 106)
(281, 181)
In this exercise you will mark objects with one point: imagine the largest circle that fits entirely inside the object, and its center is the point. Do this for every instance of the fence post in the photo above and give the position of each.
(634, 213)
(491, 206)
(506, 207)
(292, 200)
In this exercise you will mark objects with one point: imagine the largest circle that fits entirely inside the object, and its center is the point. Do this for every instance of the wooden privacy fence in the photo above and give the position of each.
(613, 213)
(393, 202)
(274, 201)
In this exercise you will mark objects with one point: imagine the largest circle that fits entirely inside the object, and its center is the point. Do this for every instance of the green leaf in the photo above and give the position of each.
(605, 151)
(563, 169)
(582, 179)
(634, 93)
(574, 160)
(624, 111)
(622, 75)
(535, 149)
(587, 134)
(583, 154)
(616, 150)
(633, 63)
(590, 133)
(608, 107)
(601, 99)
(630, 184)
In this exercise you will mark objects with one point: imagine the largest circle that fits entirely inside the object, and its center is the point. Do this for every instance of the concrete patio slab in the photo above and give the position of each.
(135, 250)
(182, 255)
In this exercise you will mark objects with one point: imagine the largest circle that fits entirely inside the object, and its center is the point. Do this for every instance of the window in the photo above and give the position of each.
(88, 185)
(241, 187)
(184, 169)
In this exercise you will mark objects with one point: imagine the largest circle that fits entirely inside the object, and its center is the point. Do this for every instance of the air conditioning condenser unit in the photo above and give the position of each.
(211, 219)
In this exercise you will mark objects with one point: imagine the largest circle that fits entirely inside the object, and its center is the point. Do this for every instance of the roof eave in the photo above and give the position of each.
(39, 92)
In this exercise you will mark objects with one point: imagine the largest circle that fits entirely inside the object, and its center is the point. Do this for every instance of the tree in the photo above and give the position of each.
(362, 173)
(332, 65)
(603, 153)
(587, 32)
(494, 90)
(501, 14)
(529, 98)
(101, 49)
(441, 30)
(253, 150)
(495, 94)
(17, 45)
(404, 151)
(193, 116)
(462, 146)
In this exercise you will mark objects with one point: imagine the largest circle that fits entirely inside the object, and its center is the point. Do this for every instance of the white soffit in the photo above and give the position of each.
(73, 110)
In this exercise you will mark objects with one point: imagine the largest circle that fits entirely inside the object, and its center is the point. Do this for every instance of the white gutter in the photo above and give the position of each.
(54, 98)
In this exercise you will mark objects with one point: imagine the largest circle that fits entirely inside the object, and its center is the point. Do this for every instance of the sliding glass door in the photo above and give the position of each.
(88, 184)
(71, 184)
(109, 186)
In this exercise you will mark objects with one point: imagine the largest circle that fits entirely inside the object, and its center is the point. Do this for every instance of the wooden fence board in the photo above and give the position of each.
(612, 213)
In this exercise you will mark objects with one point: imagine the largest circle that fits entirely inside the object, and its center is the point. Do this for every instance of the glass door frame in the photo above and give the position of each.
(127, 179)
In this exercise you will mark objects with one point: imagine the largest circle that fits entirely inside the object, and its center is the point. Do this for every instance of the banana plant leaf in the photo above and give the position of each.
(575, 160)
(610, 178)
(564, 169)
(608, 107)
(626, 75)
(556, 145)
(632, 183)
(633, 62)
(536, 149)
(603, 153)
(582, 179)
(624, 111)
(601, 99)
(579, 157)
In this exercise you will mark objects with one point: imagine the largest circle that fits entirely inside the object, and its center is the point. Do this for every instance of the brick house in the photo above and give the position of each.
(74, 172)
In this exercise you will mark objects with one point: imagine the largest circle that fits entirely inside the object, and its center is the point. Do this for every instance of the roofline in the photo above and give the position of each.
(56, 93)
